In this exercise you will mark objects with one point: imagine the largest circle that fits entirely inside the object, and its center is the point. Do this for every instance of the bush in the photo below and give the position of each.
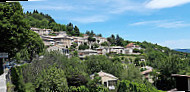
(127, 86)
(78, 89)
(52, 80)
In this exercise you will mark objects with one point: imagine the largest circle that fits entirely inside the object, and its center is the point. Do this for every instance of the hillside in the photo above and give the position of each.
(56, 72)
(40, 20)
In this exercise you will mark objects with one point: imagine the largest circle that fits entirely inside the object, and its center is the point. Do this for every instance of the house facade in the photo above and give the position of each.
(112, 49)
(62, 50)
(41, 31)
(129, 49)
(57, 40)
(146, 74)
(182, 82)
(108, 80)
(100, 40)
(87, 52)
(79, 40)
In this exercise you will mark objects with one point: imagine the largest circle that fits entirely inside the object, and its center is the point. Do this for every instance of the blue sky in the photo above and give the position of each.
(165, 22)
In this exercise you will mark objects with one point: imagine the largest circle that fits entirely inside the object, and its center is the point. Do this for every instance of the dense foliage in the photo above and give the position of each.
(40, 20)
(83, 46)
(56, 70)
(127, 86)
(118, 41)
(52, 80)
(16, 37)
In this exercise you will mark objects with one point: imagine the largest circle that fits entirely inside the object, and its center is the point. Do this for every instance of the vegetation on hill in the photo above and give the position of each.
(164, 60)
(56, 72)
(128, 86)
(40, 20)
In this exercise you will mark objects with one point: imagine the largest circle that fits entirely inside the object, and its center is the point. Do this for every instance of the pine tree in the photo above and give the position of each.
(77, 32)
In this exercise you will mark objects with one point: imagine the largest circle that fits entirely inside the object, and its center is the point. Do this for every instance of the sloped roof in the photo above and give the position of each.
(146, 72)
(178, 75)
(102, 74)
(87, 50)
(130, 45)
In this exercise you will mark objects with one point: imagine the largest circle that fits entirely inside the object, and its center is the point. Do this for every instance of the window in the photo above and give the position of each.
(105, 84)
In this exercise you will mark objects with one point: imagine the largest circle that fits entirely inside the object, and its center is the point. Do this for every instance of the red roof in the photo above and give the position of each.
(130, 45)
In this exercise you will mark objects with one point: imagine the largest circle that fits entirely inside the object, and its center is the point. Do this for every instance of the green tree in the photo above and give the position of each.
(91, 39)
(87, 32)
(78, 89)
(83, 46)
(136, 50)
(15, 31)
(94, 46)
(112, 40)
(119, 41)
(52, 80)
(105, 44)
(131, 73)
(100, 35)
(96, 63)
(77, 32)
(73, 46)
(137, 61)
(127, 86)
(75, 53)
(70, 29)
(34, 45)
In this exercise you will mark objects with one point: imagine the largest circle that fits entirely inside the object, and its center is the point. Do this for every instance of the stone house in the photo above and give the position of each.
(41, 31)
(130, 47)
(146, 74)
(57, 40)
(61, 49)
(112, 49)
(87, 52)
(108, 80)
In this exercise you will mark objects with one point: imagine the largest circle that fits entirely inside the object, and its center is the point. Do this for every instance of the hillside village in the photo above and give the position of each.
(30, 60)
(60, 41)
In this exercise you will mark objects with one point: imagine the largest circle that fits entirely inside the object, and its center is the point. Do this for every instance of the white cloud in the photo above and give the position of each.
(89, 8)
(121, 6)
(106, 8)
(179, 44)
(163, 24)
(146, 22)
(175, 24)
(159, 4)
(90, 19)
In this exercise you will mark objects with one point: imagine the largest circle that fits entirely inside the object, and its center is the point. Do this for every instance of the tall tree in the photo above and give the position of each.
(88, 32)
(77, 32)
(112, 39)
(14, 30)
(70, 27)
